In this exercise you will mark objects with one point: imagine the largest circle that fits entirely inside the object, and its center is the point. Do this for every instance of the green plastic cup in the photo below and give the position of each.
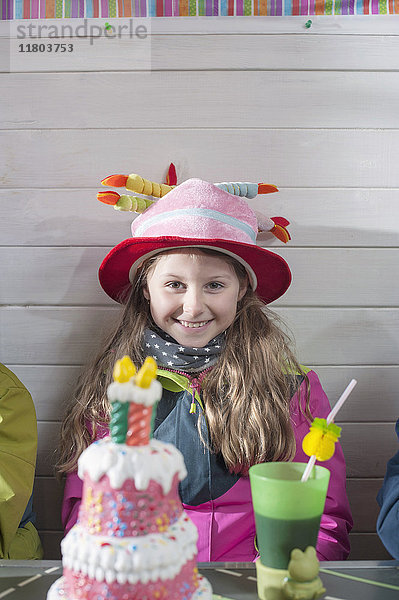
(287, 511)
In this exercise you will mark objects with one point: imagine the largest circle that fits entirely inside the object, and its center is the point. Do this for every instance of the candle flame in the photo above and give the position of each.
(124, 370)
(115, 180)
(146, 373)
(108, 197)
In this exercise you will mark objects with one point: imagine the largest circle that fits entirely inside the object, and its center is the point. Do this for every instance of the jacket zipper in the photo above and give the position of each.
(195, 383)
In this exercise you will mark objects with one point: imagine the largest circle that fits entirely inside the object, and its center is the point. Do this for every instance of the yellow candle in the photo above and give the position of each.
(147, 373)
(124, 370)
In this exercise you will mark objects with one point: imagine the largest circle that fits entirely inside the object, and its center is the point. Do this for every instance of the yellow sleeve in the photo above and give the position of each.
(18, 446)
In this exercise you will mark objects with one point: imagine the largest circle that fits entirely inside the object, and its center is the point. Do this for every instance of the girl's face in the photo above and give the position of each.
(193, 296)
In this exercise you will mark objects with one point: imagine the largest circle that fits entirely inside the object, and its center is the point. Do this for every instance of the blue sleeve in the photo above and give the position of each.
(388, 499)
(28, 515)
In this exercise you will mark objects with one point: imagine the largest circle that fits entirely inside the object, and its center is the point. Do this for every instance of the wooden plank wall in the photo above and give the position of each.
(315, 114)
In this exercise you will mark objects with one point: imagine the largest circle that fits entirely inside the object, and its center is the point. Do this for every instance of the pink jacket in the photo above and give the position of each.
(226, 523)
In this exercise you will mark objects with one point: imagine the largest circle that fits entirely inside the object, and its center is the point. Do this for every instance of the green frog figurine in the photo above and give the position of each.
(303, 582)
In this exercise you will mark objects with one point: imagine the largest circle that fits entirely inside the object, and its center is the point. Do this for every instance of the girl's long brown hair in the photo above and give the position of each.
(246, 395)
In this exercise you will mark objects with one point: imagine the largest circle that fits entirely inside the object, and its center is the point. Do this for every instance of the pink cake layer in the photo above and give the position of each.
(182, 587)
(128, 511)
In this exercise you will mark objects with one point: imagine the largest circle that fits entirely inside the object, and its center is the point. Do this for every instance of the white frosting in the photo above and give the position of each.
(56, 592)
(131, 559)
(130, 392)
(204, 590)
(157, 461)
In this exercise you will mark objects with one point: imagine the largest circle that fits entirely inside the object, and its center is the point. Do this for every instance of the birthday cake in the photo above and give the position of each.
(132, 540)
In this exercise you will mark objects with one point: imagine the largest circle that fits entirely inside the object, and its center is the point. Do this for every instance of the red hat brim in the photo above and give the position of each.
(272, 272)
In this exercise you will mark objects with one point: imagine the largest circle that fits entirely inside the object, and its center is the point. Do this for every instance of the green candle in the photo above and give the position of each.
(118, 424)
(123, 371)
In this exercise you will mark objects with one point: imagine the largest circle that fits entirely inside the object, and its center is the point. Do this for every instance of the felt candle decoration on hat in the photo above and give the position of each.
(136, 183)
(171, 177)
(124, 202)
(246, 189)
(195, 213)
(274, 225)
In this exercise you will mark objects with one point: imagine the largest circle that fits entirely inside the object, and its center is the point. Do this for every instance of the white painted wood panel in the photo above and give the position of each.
(286, 99)
(293, 158)
(342, 277)
(362, 494)
(318, 216)
(183, 51)
(62, 217)
(47, 444)
(51, 541)
(51, 387)
(47, 499)
(329, 336)
(52, 336)
(375, 398)
(367, 546)
(57, 276)
(69, 276)
(367, 448)
(335, 217)
(339, 336)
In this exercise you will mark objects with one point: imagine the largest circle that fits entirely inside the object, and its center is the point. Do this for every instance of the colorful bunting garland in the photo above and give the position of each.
(79, 9)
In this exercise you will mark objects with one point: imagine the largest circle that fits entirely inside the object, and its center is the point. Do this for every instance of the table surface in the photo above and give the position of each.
(351, 580)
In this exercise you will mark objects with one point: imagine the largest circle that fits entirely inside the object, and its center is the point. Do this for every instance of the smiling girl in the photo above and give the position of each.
(193, 296)
(195, 287)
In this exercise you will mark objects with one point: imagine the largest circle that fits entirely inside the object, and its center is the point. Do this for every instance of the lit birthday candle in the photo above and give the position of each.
(147, 392)
(119, 394)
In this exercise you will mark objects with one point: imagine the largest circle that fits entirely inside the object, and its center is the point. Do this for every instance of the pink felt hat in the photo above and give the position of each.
(196, 214)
